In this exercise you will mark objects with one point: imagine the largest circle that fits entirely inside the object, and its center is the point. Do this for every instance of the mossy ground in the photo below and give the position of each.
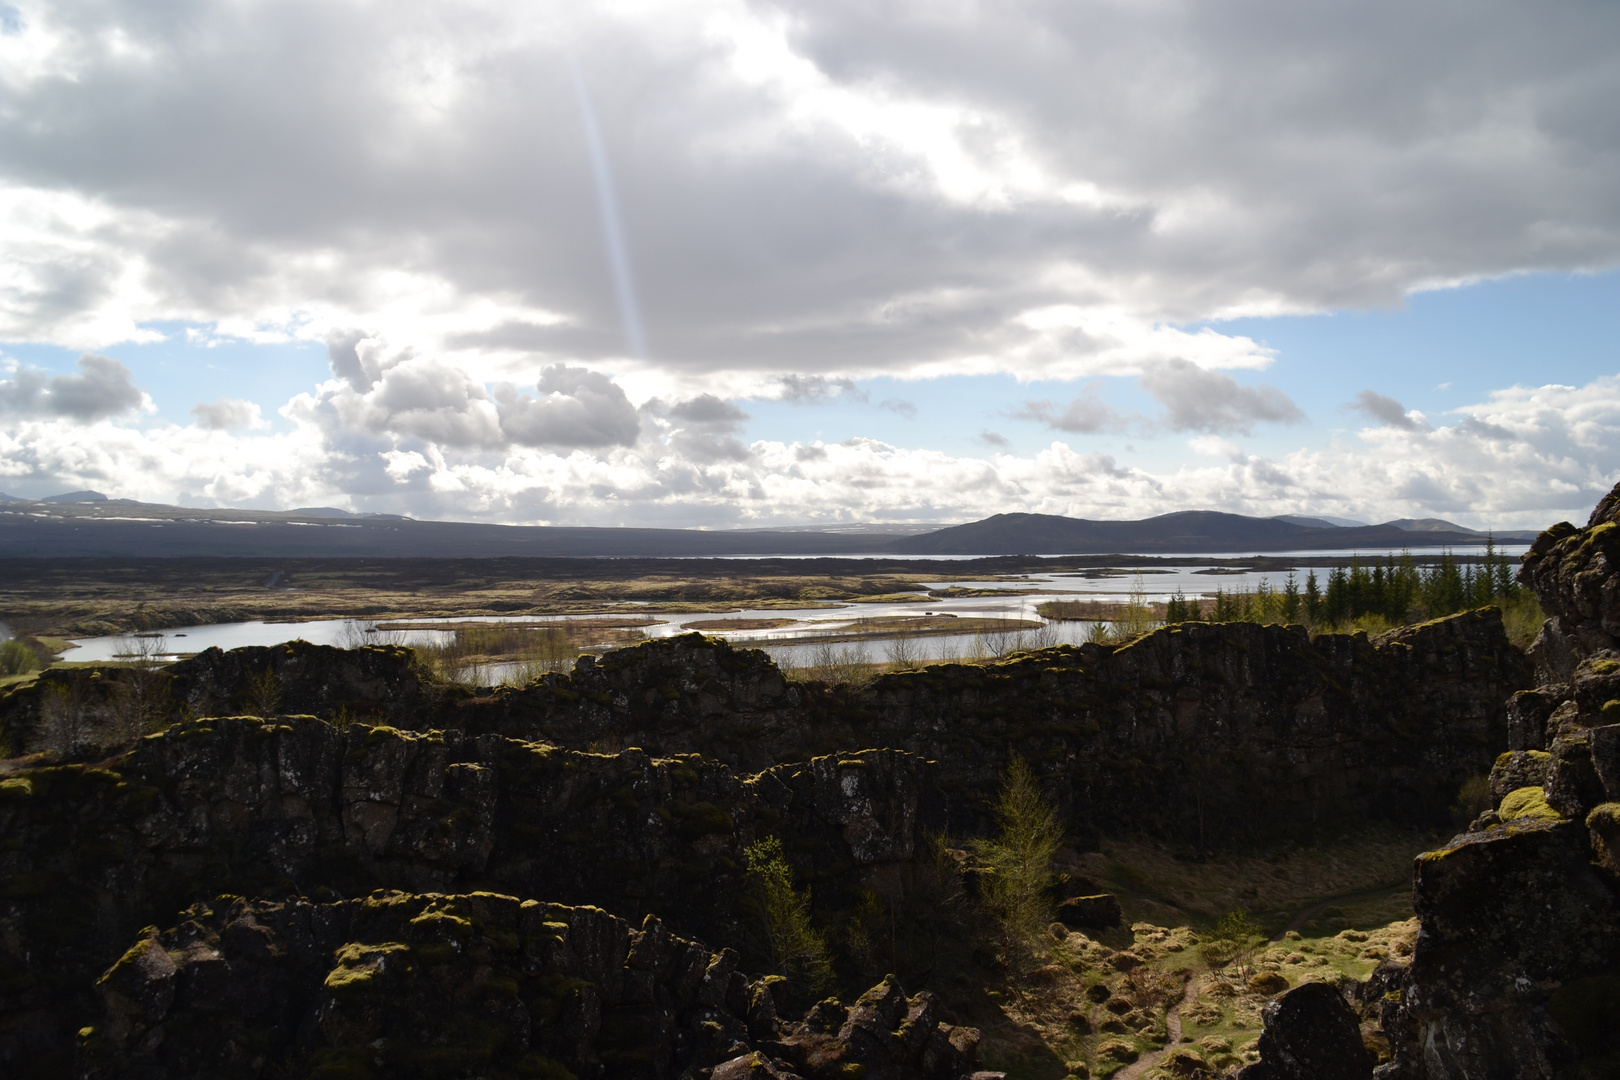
(1102, 1000)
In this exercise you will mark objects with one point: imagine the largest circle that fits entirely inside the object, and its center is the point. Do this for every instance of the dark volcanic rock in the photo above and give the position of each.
(1310, 1034)
(1516, 968)
(1507, 916)
(376, 684)
(1209, 732)
(1099, 912)
(399, 984)
(295, 806)
(1518, 769)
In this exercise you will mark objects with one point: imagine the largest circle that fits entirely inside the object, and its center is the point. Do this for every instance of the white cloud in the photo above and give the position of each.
(576, 408)
(811, 194)
(826, 189)
(1215, 446)
(1522, 458)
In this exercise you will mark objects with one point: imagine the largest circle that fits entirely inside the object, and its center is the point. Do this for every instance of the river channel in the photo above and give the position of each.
(794, 643)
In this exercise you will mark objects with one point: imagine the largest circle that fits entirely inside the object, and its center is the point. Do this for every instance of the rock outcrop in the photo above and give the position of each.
(1212, 733)
(376, 684)
(1208, 733)
(483, 984)
(296, 807)
(1516, 969)
(1310, 1034)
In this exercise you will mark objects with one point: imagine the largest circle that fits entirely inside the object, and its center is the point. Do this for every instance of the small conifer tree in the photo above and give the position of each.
(793, 947)
(1021, 858)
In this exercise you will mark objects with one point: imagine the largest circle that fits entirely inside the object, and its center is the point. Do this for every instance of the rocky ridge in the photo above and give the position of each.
(397, 984)
(296, 807)
(1209, 733)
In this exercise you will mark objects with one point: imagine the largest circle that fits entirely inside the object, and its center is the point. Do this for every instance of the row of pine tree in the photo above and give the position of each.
(1393, 589)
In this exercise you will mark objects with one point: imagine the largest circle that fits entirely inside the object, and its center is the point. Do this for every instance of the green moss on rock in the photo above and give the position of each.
(1527, 802)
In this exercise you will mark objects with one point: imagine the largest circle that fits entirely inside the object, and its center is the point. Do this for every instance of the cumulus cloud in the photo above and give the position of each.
(343, 353)
(576, 408)
(395, 394)
(227, 413)
(1522, 458)
(702, 428)
(1197, 399)
(103, 388)
(1385, 410)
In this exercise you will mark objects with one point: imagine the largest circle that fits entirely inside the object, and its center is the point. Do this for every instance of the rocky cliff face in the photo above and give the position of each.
(375, 684)
(483, 984)
(1516, 970)
(1213, 734)
(296, 807)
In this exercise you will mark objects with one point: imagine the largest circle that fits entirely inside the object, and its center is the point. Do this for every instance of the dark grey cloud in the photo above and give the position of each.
(818, 389)
(991, 438)
(576, 408)
(226, 414)
(103, 388)
(1385, 410)
(1197, 399)
(343, 353)
(709, 411)
(900, 407)
(706, 424)
(1251, 150)
(1483, 429)
(1087, 414)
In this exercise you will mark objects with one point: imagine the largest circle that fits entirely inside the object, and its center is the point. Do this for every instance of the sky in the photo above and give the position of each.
(727, 264)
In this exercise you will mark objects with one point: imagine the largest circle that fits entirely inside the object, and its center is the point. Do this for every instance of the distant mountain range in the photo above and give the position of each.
(86, 523)
(1191, 532)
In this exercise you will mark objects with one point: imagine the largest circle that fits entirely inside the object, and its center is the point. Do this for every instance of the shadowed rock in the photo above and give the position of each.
(1516, 968)
(1310, 1034)
(481, 984)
